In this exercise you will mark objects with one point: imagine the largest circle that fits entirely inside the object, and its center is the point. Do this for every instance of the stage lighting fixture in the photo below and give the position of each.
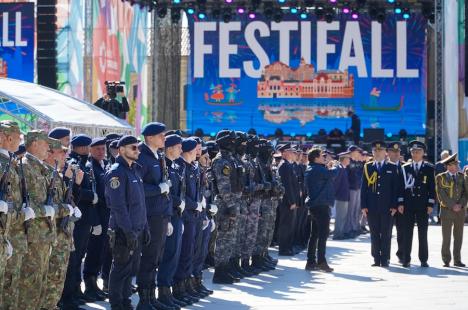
(190, 10)
(329, 15)
(175, 15)
(427, 11)
(354, 15)
(252, 15)
(227, 15)
(406, 13)
(201, 15)
(397, 9)
(346, 8)
(391, 1)
(332, 1)
(240, 10)
(281, 1)
(303, 14)
(176, 1)
(293, 10)
(162, 11)
(228, 1)
(319, 13)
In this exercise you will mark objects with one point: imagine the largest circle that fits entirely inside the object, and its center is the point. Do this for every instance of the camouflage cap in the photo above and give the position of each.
(35, 135)
(9, 127)
(55, 144)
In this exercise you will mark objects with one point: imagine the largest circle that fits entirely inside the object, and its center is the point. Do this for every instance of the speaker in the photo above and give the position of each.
(372, 134)
(46, 43)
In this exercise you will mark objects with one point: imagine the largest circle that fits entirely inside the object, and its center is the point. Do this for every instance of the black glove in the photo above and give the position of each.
(232, 212)
(132, 240)
(146, 237)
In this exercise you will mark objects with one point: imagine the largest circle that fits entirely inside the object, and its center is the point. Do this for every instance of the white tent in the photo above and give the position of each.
(39, 107)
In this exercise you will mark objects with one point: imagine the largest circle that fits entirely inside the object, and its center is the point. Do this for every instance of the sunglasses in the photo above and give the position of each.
(133, 147)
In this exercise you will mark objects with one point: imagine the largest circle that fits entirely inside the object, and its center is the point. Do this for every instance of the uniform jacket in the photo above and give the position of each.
(290, 183)
(342, 184)
(419, 189)
(191, 176)
(176, 175)
(380, 191)
(355, 174)
(320, 185)
(450, 192)
(152, 174)
(125, 196)
(99, 174)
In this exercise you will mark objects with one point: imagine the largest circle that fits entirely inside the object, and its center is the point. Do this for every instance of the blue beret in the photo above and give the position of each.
(284, 147)
(59, 132)
(198, 139)
(98, 141)
(113, 144)
(113, 136)
(127, 140)
(188, 144)
(353, 148)
(81, 140)
(152, 129)
(172, 140)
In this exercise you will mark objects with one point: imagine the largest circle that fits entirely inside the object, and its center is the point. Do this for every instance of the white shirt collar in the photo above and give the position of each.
(380, 162)
(417, 164)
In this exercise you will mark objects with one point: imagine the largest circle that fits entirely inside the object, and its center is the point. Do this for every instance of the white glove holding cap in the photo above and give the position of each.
(97, 230)
(3, 206)
(95, 199)
(203, 202)
(170, 229)
(77, 212)
(205, 224)
(182, 206)
(213, 209)
(199, 207)
(213, 225)
(29, 213)
(164, 188)
(49, 211)
(70, 208)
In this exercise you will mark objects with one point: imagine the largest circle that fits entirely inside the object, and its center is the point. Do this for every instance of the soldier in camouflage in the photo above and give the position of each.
(60, 254)
(260, 258)
(227, 189)
(9, 142)
(41, 232)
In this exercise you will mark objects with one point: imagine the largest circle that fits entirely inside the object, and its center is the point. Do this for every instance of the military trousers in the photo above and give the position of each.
(452, 223)
(12, 281)
(249, 234)
(201, 250)
(226, 239)
(171, 255)
(287, 218)
(380, 224)
(185, 266)
(410, 217)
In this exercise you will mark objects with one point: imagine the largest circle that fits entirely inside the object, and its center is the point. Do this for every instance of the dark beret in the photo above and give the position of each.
(81, 140)
(172, 140)
(127, 140)
(113, 136)
(113, 144)
(152, 129)
(188, 144)
(98, 141)
(59, 133)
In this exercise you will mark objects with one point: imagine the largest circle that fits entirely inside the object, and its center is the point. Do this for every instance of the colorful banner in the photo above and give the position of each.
(17, 41)
(304, 75)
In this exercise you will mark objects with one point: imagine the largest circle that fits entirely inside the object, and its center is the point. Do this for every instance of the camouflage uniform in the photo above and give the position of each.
(58, 261)
(228, 192)
(242, 206)
(254, 201)
(15, 231)
(270, 201)
(40, 235)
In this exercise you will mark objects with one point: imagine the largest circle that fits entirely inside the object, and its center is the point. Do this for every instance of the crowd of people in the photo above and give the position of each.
(162, 209)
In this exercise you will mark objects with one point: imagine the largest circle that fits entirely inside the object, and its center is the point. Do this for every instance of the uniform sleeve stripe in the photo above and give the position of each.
(431, 201)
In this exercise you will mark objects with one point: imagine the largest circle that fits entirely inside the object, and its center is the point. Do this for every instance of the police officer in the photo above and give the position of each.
(159, 210)
(86, 202)
(393, 151)
(62, 134)
(98, 255)
(451, 190)
(380, 193)
(289, 204)
(418, 201)
(125, 197)
(41, 231)
(227, 189)
(172, 248)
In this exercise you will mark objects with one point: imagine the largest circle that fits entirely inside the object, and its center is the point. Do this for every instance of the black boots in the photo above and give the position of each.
(92, 291)
(221, 275)
(158, 305)
(200, 287)
(165, 297)
(145, 300)
(179, 293)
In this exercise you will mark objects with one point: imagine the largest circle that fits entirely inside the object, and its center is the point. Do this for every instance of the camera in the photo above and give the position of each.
(114, 87)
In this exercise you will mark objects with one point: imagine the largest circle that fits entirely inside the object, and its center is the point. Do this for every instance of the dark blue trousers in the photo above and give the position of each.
(152, 253)
(98, 256)
(172, 249)
(185, 267)
(380, 224)
(202, 251)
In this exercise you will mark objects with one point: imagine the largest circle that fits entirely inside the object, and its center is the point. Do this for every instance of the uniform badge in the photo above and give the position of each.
(226, 170)
(114, 183)
(395, 146)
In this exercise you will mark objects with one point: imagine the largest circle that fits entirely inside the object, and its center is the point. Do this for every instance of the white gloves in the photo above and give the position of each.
(203, 202)
(49, 211)
(213, 209)
(213, 225)
(170, 229)
(9, 249)
(70, 209)
(182, 206)
(205, 224)
(77, 212)
(29, 213)
(96, 230)
(182, 229)
(164, 188)
(199, 207)
(95, 199)
(3, 207)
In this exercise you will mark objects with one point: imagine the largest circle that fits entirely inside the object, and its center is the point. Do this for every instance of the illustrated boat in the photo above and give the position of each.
(397, 107)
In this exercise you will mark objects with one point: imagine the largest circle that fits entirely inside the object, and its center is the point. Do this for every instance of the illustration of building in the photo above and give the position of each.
(3, 68)
(278, 80)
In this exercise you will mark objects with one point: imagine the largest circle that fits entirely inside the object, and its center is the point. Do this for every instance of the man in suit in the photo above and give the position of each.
(452, 193)
(418, 201)
(379, 199)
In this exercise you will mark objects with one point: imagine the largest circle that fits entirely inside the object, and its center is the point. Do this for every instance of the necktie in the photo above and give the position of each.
(416, 168)
(379, 165)
(454, 178)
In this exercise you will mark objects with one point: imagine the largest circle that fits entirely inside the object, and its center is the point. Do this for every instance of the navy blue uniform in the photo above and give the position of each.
(419, 195)
(172, 248)
(190, 218)
(98, 254)
(286, 215)
(125, 197)
(82, 230)
(159, 210)
(380, 190)
(399, 221)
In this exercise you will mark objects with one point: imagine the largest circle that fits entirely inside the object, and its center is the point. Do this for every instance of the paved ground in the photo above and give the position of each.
(353, 285)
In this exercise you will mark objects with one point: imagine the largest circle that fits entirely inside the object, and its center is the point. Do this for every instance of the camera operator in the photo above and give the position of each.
(109, 103)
